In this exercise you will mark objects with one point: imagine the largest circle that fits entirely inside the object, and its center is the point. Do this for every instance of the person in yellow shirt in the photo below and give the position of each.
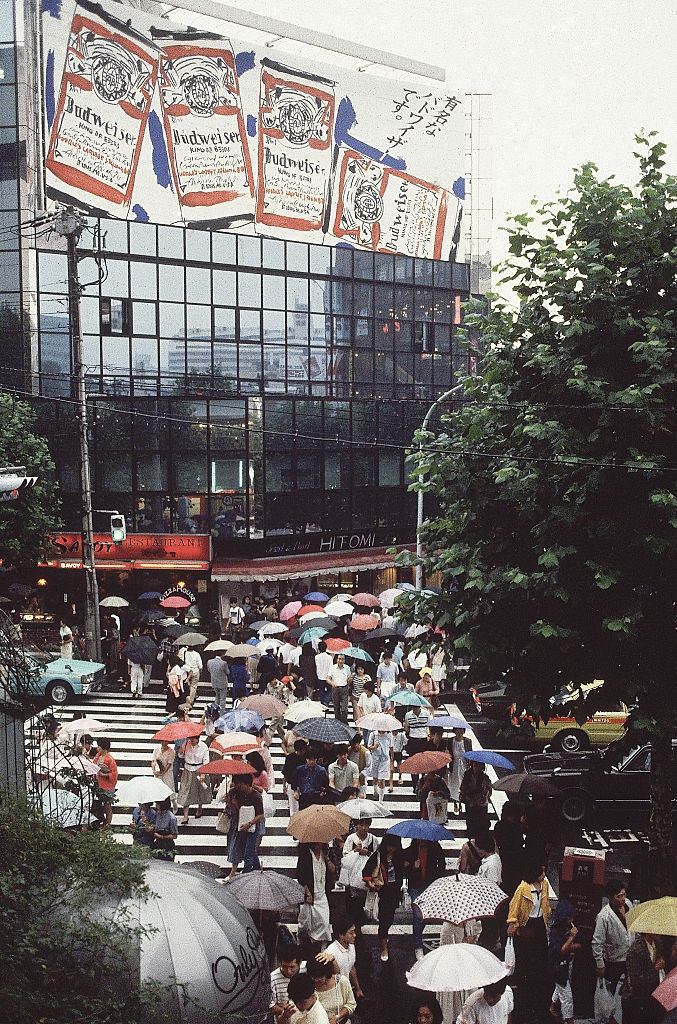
(528, 917)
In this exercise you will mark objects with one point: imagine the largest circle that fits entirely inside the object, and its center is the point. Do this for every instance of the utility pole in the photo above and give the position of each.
(69, 225)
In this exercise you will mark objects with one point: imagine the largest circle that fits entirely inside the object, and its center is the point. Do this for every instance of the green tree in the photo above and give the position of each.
(557, 481)
(25, 522)
(61, 962)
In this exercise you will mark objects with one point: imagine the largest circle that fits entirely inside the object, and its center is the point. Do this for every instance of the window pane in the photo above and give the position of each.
(116, 356)
(144, 285)
(152, 515)
(364, 264)
(250, 325)
(224, 324)
(273, 253)
(190, 473)
(249, 290)
(144, 356)
(171, 283)
(225, 365)
(273, 292)
(320, 259)
(308, 472)
(228, 475)
(364, 470)
(197, 245)
(151, 472)
(198, 356)
(172, 359)
(144, 318)
(342, 262)
(389, 469)
(142, 239)
(198, 284)
(297, 327)
(250, 362)
(297, 293)
(172, 323)
(115, 281)
(342, 296)
(223, 247)
(198, 322)
(115, 474)
(249, 251)
(225, 287)
(297, 257)
(170, 242)
(53, 272)
(320, 296)
(336, 471)
(273, 327)
(279, 476)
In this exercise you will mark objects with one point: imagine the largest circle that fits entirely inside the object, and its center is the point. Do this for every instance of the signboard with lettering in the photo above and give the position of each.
(149, 120)
(311, 543)
(142, 550)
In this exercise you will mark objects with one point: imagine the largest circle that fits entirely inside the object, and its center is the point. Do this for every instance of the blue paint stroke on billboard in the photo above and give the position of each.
(51, 7)
(346, 119)
(160, 158)
(251, 126)
(458, 188)
(244, 61)
(140, 214)
(50, 102)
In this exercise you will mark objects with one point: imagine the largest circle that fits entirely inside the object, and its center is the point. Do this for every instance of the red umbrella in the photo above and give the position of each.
(364, 622)
(290, 610)
(425, 761)
(308, 608)
(335, 644)
(226, 766)
(234, 743)
(365, 601)
(179, 731)
(175, 601)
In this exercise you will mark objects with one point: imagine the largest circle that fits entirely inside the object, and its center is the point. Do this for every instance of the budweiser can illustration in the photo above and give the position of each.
(388, 210)
(204, 127)
(295, 141)
(104, 100)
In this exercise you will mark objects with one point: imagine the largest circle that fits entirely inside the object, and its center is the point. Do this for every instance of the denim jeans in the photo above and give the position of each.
(417, 924)
(243, 847)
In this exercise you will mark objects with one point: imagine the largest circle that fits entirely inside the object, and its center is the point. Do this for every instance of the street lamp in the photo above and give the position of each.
(419, 505)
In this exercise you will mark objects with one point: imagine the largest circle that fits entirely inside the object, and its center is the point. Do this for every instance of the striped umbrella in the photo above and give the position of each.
(325, 730)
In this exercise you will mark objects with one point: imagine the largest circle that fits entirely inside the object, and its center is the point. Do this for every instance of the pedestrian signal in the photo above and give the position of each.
(118, 529)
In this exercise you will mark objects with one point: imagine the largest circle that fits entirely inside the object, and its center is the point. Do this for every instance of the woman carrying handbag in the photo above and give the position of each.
(384, 874)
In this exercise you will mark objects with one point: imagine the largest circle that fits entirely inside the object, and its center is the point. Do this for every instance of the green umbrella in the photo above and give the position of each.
(357, 653)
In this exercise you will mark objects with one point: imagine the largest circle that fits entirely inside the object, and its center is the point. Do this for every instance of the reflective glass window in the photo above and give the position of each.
(116, 356)
(198, 356)
(248, 251)
(144, 283)
(142, 239)
(364, 264)
(198, 284)
(89, 313)
(273, 253)
(404, 268)
(223, 247)
(317, 365)
(151, 472)
(423, 270)
(144, 318)
(114, 235)
(442, 274)
(297, 257)
(224, 324)
(227, 424)
(273, 292)
(249, 290)
(342, 296)
(363, 367)
(342, 262)
(170, 242)
(91, 353)
(172, 359)
(364, 469)
(153, 514)
(115, 474)
(228, 475)
(320, 259)
(404, 303)
(53, 270)
(144, 356)
(363, 299)
(308, 472)
(250, 325)
(172, 283)
(190, 475)
(384, 266)
(388, 468)
(197, 245)
(274, 364)
(225, 287)
(279, 473)
(54, 313)
(274, 327)
(251, 367)
(172, 320)
(320, 296)
(297, 293)
(225, 365)
(424, 304)
(343, 330)
(320, 329)
(297, 327)
(336, 471)
(198, 322)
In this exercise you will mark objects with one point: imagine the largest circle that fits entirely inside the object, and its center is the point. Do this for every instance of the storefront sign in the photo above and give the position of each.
(141, 550)
(310, 543)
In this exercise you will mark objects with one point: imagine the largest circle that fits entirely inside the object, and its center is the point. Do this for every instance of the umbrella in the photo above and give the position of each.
(416, 630)
(265, 890)
(20, 589)
(447, 722)
(521, 782)
(319, 823)
(456, 968)
(338, 608)
(335, 645)
(172, 629)
(408, 698)
(358, 809)
(343, 597)
(234, 743)
(406, 588)
(460, 898)
(385, 633)
(269, 643)
(178, 731)
(666, 993)
(365, 600)
(364, 622)
(252, 642)
(140, 650)
(323, 621)
(227, 766)
(150, 595)
(302, 710)
(191, 639)
(5, 600)
(290, 610)
(142, 789)
(311, 616)
(271, 628)
(92, 726)
(77, 763)
(220, 645)
(379, 722)
(324, 730)
(240, 720)
(489, 757)
(388, 598)
(265, 705)
(175, 601)
(242, 651)
(655, 917)
(152, 617)
(316, 597)
(425, 761)
(358, 653)
(114, 602)
(312, 633)
(420, 828)
(307, 608)
(66, 809)
(259, 624)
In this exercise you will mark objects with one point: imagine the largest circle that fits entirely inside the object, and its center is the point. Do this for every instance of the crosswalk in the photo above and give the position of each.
(133, 723)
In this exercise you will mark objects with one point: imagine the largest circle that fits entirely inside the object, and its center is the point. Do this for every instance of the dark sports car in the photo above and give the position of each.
(615, 792)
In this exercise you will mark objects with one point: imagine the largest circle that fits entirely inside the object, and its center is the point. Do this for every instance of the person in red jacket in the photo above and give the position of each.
(107, 779)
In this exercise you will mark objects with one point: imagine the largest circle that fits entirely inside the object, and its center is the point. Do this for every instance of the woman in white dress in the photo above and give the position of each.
(162, 764)
(313, 871)
(451, 1003)
(458, 745)
(381, 747)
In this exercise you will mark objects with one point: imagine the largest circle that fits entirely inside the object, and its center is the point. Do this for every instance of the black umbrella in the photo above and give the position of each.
(20, 589)
(324, 622)
(173, 630)
(384, 633)
(521, 782)
(140, 650)
(149, 617)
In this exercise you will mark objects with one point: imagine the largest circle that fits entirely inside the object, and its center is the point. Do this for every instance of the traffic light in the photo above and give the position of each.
(11, 485)
(118, 529)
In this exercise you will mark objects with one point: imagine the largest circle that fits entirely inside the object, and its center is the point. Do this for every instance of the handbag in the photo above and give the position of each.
(371, 906)
(348, 865)
(223, 822)
(605, 1003)
(405, 899)
(509, 955)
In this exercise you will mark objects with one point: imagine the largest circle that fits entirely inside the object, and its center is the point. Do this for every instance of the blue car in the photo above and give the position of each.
(58, 679)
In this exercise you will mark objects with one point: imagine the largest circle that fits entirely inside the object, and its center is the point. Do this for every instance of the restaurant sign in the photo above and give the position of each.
(137, 551)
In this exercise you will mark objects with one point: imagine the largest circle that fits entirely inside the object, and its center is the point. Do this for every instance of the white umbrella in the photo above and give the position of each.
(269, 643)
(142, 789)
(304, 709)
(114, 602)
(416, 630)
(459, 899)
(271, 628)
(66, 809)
(358, 809)
(342, 597)
(92, 726)
(338, 608)
(388, 598)
(309, 616)
(456, 968)
(219, 645)
(378, 721)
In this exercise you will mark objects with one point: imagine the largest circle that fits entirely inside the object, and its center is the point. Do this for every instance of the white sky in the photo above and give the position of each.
(572, 81)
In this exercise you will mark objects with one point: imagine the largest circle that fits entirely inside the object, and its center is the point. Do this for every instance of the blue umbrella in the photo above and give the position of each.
(240, 720)
(447, 722)
(253, 641)
(312, 633)
(419, 828)
(150, 595)
(409, 699)
(490, 757)
(316, 596)
(357, 653)
(324, 730)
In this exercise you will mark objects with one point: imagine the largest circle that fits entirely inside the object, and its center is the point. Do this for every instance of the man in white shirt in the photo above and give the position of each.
(304, 1006)
(342, 952)
(386, 676)
(416, 724)
(342, 772)
(338, 678)
(236, 615)
(492, 1004)
(611, 939)
(193, 663)
(323, 665)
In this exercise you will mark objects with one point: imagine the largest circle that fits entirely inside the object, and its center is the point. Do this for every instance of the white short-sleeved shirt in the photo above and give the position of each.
(477, 1011)
(491, 868)
(339, 675)
(345, 958)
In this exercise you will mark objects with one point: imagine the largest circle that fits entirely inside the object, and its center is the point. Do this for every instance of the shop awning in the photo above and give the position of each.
(295, 567)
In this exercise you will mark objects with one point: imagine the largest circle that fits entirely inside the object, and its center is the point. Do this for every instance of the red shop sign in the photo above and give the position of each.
(137, 548)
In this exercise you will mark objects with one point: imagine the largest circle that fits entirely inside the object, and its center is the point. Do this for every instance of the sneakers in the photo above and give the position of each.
(418, 953)
(385, 957)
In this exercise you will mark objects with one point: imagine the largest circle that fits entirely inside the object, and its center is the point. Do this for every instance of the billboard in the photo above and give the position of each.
(149, 121)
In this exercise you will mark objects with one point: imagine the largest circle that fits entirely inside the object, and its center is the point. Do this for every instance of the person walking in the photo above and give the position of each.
(475, 793)
(528, 918)
(363, 843)
(193, 790)
(166, 831)
(341, 952)
(644, 963)
(425, 864)
(562, 946)
(416, 727)
(509, 837)
(338, 678)
(384, 874)
(427, 687)
(219, 675)
(293, 760)
(459, 745)
(381, 749)
(107, 779)
(136, 677)
(308, 670)
(323, 665)
(611, 939)
(178, 690)
(360, 754)
(162, 765)
(239, 679)
(386, 676)
(245, 805)
(315, 872)
(310, 781)
(66, 640)
(333, 991)
(193, 664)
(367, 704)
(357, 683)
(342, 773)
(236, 616)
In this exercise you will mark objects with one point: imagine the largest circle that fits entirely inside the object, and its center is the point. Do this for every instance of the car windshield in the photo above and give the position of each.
(42, 657)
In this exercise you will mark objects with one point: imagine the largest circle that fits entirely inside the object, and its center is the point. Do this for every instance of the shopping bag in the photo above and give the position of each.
(348, 865)
(223, 822)
(509, 955)
(605, 1003)
(618, 1000)
(371, 906)
(405, 899)
(268, 804)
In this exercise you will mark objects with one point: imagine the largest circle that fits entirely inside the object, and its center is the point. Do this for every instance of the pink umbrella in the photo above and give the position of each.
(290, 610)
(365, 601)
(335, 644)
(364, 622)
(666, 993)
(175, 601)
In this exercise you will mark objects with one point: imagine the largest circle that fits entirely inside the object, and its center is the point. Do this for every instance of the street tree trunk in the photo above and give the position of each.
(662, 871)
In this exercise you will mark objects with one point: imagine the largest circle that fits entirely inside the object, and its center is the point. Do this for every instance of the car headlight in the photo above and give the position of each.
(87, 680)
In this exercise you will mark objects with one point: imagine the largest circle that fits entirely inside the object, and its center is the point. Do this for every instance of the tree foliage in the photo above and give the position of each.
(557, 480)
(25, 522)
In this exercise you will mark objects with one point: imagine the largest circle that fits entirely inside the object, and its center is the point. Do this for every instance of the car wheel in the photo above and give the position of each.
(575, 806)
(570, 741)
(60, 693)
